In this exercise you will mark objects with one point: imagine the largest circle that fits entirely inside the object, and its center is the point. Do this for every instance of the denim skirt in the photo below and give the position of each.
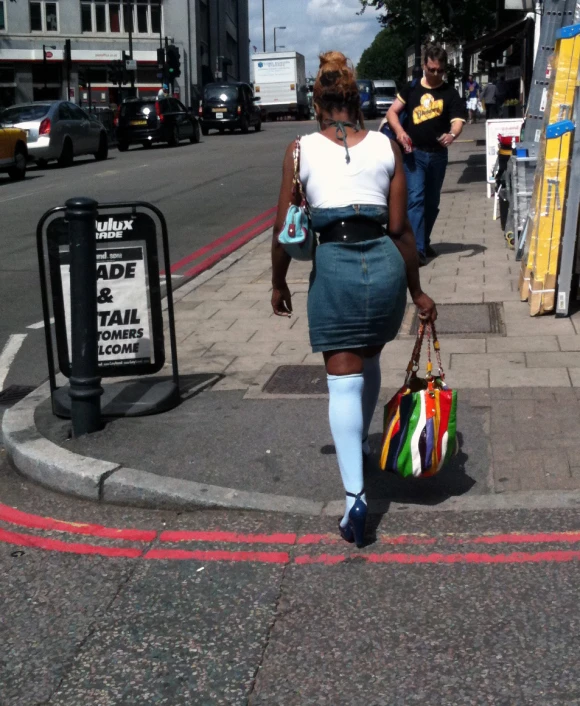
(357, 295)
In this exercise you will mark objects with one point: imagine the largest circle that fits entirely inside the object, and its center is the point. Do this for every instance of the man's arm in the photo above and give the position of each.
(393, 119)
(458, 116)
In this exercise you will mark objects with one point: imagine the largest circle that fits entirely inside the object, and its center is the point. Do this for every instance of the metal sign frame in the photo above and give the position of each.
(47, 255)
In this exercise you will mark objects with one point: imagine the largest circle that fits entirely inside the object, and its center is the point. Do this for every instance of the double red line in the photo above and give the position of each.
(279, 548)
(225, 245)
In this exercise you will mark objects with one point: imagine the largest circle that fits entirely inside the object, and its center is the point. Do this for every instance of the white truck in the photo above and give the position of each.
(280, 83)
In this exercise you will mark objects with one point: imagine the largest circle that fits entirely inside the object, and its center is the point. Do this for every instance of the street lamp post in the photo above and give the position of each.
(44, 67)
(275, 28)
(264, 25)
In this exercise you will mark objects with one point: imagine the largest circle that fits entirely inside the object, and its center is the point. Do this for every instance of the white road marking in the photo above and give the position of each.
(108, 173)
(7, 356)
(39, 324)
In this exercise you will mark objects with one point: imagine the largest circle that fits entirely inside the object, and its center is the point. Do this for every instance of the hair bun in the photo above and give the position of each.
(333, 61)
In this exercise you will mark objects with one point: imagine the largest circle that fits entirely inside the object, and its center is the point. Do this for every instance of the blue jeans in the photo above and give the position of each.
(425, 173)
(322, 217)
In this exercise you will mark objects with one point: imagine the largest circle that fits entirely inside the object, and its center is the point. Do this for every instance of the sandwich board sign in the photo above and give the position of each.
(129, 310)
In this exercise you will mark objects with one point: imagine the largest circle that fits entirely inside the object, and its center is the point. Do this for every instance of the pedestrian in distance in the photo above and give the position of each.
(435, 118)
(472, 95)
(488, 96)
(163, 92)
(501, 94)
(366, 258)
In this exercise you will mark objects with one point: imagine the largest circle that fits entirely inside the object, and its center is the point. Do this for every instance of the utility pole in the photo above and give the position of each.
(418, 33)
(130, 33)
(264, 24)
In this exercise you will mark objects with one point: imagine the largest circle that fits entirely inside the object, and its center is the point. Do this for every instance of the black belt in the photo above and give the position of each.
(355, 230)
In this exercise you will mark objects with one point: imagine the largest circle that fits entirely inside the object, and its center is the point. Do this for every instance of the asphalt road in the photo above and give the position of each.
(241, 609)
(204, 191)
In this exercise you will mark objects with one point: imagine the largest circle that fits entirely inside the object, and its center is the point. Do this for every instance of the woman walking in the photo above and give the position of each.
(355, 185)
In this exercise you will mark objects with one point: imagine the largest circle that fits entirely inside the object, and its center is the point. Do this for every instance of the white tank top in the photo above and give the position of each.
(329, 182)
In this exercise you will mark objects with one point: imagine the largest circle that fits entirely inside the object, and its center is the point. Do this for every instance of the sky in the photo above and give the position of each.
(313, 26)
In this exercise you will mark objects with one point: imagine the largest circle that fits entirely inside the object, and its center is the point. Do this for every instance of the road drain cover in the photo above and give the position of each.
(298, 380)
(14, 394)
(473, 319)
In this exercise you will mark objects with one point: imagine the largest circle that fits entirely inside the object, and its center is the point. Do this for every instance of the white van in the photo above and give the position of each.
(386, 92)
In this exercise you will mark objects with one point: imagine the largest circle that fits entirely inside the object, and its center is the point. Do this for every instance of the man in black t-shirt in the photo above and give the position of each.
(435, 118)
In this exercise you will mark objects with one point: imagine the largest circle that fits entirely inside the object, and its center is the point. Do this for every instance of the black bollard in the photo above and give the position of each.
(85, 382)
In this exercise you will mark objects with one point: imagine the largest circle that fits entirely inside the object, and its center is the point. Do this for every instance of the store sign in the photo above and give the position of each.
(129, 318)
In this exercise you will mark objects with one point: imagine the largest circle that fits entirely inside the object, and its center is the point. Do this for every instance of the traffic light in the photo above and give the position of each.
(117, 74)
(160, 58)
(173, 61)
(83, 82)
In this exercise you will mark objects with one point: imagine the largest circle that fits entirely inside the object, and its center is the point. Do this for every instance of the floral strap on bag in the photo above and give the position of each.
(297, 236)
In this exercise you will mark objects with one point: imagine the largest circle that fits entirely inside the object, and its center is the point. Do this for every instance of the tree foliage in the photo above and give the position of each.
(447, 20)
(385, 58)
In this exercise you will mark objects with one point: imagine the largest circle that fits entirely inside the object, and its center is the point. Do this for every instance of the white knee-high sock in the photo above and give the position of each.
(372, 388)
(346, 425)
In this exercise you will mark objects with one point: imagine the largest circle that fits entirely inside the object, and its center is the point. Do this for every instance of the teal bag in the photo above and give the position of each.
(297, 237)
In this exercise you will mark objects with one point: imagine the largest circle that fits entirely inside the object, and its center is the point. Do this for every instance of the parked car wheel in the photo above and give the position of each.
(174, 137)
(18, 171)
(196, 137)
(103, 152)
(67, 154)
(245, 126)
(258, 126)
(204, 131)
(122, 146)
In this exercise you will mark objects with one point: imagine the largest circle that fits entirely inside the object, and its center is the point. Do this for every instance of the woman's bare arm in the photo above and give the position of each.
(281, 299)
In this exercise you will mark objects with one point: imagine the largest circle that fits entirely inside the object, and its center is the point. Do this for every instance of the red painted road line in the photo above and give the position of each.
(231, 537)
(28, 540)
(224, 252)
(469, 558)
(24, 519)
(201, 555)
(223, 239)
(517, 538)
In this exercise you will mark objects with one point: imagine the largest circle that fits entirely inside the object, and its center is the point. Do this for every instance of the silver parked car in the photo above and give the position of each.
(57, 130)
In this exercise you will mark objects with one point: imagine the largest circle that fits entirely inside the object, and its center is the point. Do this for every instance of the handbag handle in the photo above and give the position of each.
(413, 366)
(298, 195)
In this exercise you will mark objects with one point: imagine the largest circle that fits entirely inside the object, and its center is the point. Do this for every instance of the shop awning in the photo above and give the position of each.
(491, 46)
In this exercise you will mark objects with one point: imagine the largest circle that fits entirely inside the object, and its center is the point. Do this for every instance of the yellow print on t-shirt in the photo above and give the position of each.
(429, 109)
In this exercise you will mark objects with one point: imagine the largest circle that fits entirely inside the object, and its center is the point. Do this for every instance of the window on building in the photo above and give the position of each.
(43, 16)
(86, 18)
(2, 16)
(156, 18)
(142, 17)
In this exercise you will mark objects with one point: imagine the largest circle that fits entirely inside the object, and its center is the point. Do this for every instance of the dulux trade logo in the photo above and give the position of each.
(107, 230)
(260, 64)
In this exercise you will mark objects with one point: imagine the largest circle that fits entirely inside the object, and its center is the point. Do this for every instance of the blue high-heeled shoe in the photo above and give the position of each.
(354, 530)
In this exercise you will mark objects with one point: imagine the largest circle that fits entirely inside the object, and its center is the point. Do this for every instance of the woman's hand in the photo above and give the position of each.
(426, 306)
(282, 301)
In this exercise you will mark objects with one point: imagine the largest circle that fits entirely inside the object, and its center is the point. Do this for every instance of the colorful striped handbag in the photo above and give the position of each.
(421, 419)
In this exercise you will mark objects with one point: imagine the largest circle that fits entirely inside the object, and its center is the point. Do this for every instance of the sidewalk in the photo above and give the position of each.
(261, 429)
